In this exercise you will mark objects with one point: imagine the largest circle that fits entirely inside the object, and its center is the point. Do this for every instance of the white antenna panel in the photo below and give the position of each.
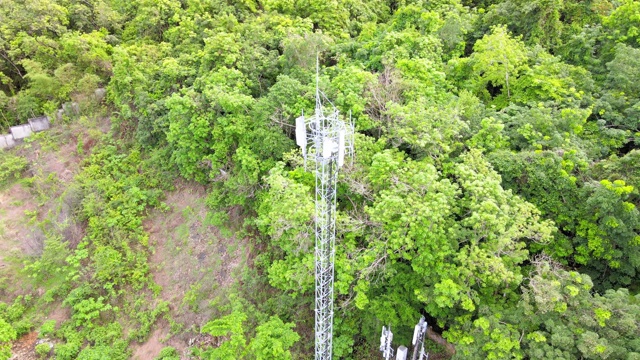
(341, 135)
(402, 353)
(328, 147)
(301, 133)
(416, 330)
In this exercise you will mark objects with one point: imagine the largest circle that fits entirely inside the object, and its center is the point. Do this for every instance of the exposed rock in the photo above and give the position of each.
(20, 132)
(71, 109)
(7, 141)
(59, 114)
(100, 93)
(40, 123)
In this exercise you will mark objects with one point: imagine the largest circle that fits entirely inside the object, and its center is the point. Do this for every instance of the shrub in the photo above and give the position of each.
(11, 166)
(47, 328)
(7, 334)
(168, 353)
(42, 350)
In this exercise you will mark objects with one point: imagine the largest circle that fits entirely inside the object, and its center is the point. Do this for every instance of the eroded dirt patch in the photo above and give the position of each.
(15, 202)
(54, 159)
(193, 263)
(152, 347)
(24, 348)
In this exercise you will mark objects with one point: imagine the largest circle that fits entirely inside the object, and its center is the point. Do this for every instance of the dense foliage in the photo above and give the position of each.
(495, 187)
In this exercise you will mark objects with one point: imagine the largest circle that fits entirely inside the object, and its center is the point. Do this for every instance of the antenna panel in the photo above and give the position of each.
(416, 331)
(423, 325)
(301, 133)
(402, 353)
(328, 147)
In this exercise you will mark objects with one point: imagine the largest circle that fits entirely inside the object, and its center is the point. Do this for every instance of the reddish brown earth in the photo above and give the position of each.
(60, 314)
(188, 256)
(23, 348)
(152, 347)
(53, 162)
(14, 201)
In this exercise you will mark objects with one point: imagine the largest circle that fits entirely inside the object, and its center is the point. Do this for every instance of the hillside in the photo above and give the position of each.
(167, 213)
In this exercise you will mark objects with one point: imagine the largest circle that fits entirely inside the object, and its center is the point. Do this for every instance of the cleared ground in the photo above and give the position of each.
(193, 263)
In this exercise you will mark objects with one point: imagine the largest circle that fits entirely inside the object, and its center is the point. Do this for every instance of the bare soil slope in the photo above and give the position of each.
(193, 263)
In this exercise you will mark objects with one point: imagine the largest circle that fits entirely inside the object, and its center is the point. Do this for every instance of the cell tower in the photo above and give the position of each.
(418, 343)
(385, 343)
(418, 340)
(326, 139)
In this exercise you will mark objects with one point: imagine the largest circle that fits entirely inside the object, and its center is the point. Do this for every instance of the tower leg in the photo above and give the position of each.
(326, 179)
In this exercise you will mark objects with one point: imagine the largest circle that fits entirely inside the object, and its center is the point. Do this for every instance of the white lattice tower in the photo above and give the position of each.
(329, 140)
(385, 343)
(419, 333)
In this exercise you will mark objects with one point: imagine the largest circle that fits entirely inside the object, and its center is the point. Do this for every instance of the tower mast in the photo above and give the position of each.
(329, 139)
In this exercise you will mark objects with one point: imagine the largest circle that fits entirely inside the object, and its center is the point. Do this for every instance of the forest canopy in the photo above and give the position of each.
(494, 188)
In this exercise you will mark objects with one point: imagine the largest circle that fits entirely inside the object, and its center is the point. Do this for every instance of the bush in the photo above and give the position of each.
(11, 166)
(42, 350)
(7, 334)
(23, 326)
(168, 353)
(47, 328)
(15, 314)
(116, 352)
(67, 351)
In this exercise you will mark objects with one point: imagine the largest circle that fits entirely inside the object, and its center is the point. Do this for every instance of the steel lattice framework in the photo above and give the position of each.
(418, 340)
(330, 138)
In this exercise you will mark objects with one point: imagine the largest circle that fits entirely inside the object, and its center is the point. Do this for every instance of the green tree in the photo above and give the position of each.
(231, 328)
(557, 317)
(619, 105)
(623, 23)
(498, 59)
(285, 215)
